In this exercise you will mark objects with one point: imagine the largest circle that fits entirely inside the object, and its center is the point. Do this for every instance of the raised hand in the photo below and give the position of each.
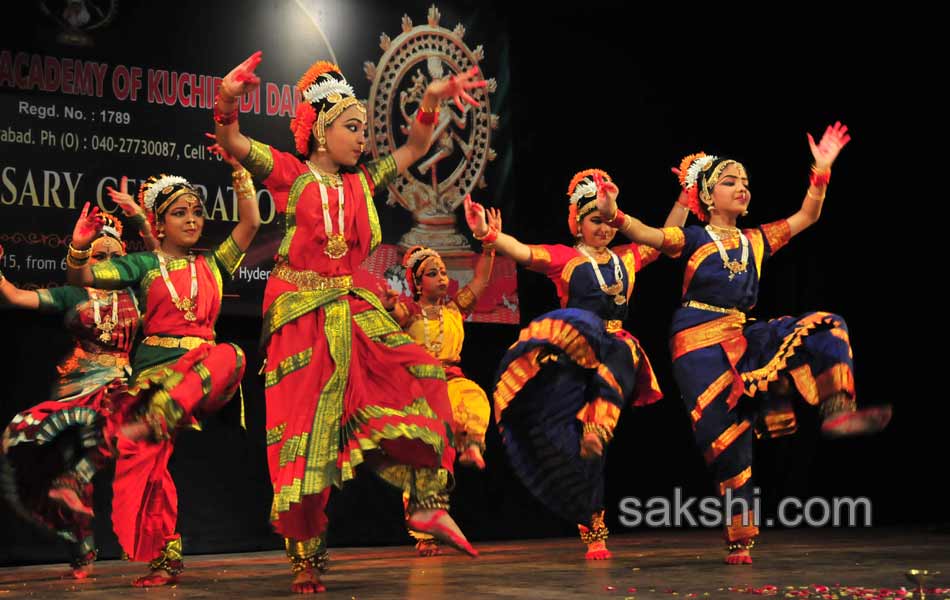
(242, 78)
(475, 217)
(125, 201)
(607, 193)
(389, 298)
(457, 87)
(87, 227)
(224, 154)
(832, 141)
(494, 219)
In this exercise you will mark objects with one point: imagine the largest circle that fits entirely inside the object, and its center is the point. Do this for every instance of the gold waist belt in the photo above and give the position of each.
(188, 342)
(109, 360)
(613, 325)
(711, 308)
(311, 280)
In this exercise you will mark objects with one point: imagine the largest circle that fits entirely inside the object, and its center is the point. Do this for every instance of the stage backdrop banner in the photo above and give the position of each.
(96, 90)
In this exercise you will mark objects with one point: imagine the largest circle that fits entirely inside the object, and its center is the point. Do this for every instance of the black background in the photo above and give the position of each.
(631, 91)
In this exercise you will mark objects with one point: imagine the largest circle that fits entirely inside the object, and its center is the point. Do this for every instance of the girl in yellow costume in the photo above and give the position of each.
(434, 321)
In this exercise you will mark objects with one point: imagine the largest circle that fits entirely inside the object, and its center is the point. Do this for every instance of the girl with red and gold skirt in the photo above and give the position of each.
(344, 384)
(51, 451)
(180, 374)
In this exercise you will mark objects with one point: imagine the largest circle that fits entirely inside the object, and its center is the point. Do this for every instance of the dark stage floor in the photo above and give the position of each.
(675, 564)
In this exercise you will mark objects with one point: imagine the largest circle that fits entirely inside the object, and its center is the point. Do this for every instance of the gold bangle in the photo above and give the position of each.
(245, 192)
(243, 185)
(79, 254)
(487, 234)
(425, 109)
(818, 197)
(76, 263)
(602, 432)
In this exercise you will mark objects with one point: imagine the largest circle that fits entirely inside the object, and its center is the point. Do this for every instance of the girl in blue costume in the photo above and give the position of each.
(737, 376)
(562, 384)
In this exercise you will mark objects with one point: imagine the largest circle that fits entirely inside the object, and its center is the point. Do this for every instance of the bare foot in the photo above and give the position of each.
(472, 457)
(307, 582)
(591, 446)
(157, 577)
(861, 422)
(63, 493)
(739, 557)
(598, 551)
(428, 547)
(81, 572)
(440, 525)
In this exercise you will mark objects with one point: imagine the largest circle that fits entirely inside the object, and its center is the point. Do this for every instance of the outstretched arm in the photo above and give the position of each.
(824, 152)
(456, 87)
(235, 84)
(249, 211)
(475, 216)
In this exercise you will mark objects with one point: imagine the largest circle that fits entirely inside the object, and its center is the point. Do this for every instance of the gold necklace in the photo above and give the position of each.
(185, 305)
(615, 290)
(107, 326)
(727, 232)
(734, 267)
(597, 252)
(336, 242)
(433, 347)
(331, 179)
